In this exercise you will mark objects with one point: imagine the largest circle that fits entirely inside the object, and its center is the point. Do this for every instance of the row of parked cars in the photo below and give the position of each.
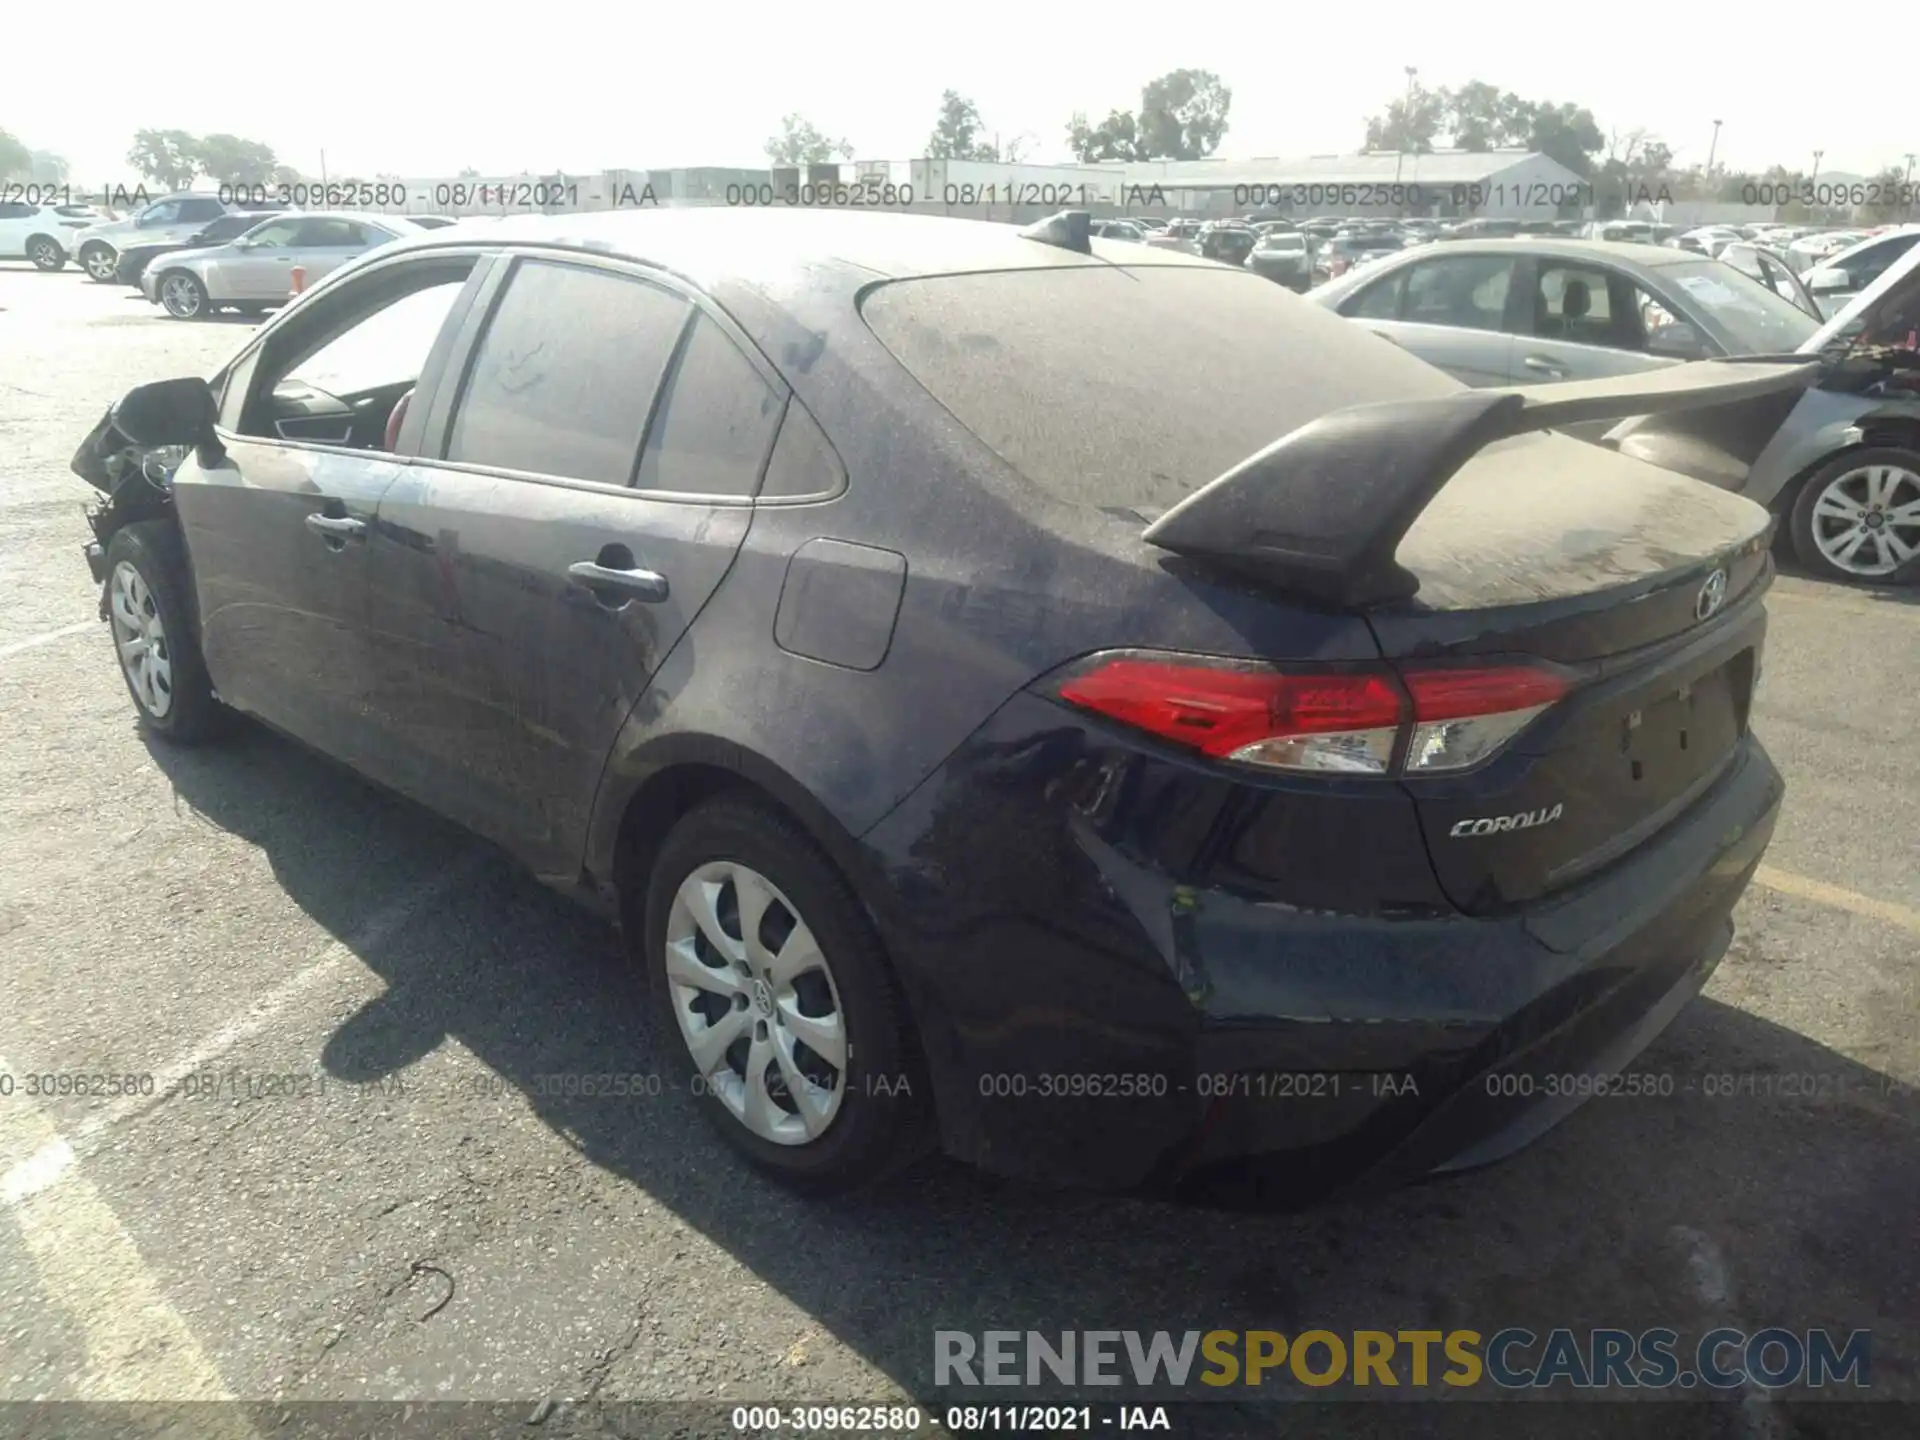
(195, 253)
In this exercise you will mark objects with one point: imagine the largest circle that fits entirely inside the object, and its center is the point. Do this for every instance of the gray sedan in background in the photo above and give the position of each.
(255, 271)
(1531, 310)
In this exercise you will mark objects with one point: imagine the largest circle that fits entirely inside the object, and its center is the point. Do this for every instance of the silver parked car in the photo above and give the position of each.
(167, 221)
(256, 270)
(1842, 465)
(1533, 309)
(1837, 278)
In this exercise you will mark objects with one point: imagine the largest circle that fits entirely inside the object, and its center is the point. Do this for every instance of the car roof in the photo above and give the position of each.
(1623, 253)
(713, 245)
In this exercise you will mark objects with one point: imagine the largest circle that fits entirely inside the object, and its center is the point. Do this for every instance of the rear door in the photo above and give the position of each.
(1450, 310)
(326, 243)
(579, 496)
(16, 217)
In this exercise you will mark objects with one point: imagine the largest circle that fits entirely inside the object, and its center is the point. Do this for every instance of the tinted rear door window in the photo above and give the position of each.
(717, 421)
(1468, 292)
(1133, 385)
(566, 372)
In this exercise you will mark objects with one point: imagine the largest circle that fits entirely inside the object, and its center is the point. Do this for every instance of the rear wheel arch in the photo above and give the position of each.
(683, 772)
(1877, 433)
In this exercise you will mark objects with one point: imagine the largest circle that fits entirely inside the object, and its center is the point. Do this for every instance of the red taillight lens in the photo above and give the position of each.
(1345, 721)
(1455, 694)
(1297, 721)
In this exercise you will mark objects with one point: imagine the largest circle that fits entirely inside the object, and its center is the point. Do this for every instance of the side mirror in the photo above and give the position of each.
(1677, 341)
(167, 412)
(1827, 280)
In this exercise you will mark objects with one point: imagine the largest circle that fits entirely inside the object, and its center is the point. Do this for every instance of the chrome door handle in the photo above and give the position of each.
(1545, 366)
(336, 527)
(646, 585)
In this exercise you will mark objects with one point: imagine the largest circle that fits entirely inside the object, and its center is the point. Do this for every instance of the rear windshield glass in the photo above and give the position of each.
(1134, 385)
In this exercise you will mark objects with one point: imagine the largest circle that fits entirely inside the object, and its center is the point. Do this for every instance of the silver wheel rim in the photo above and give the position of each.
(45, 253)
(100, 264)
(756, 1003)
(180, 295)
(1867, 521)
(141, 640)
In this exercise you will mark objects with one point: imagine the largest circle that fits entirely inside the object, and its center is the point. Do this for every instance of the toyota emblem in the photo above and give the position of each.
(1712, 596)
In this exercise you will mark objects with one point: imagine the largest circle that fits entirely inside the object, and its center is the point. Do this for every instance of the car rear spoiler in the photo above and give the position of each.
(1321, 511)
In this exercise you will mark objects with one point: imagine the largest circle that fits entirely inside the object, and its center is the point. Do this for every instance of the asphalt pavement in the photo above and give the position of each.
(345, 1165)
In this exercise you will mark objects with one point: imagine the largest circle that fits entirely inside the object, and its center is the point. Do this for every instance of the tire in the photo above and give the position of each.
(1855, 510)
(101, 262)
(45, 252)
(183, 296)
(150, 599)
(860, 1127)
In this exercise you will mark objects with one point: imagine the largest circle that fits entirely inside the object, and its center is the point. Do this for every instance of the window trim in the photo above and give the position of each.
(246, 364)
(466, 348)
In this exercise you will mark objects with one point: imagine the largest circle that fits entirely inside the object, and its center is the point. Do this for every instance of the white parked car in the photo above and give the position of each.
(42, 233)
(255, 271)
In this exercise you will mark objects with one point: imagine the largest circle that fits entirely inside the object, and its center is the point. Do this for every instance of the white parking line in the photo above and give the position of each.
(51, 1159)
(136, 1346)
(14, 647)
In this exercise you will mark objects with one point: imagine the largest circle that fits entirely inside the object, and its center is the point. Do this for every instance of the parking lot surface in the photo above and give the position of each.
(423, 1211)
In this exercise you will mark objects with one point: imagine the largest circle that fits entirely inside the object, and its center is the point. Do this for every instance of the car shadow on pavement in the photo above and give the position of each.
(1608, 1221)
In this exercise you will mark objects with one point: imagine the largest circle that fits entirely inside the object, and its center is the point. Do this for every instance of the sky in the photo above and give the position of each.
(424, 91)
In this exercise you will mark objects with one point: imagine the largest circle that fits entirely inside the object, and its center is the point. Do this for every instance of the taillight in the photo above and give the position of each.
(1463, 716)
(1352, 721)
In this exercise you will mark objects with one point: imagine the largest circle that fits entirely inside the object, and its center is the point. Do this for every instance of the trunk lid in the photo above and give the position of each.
(1643, 589)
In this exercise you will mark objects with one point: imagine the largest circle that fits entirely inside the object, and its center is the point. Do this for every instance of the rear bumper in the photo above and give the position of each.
(1102, 1005)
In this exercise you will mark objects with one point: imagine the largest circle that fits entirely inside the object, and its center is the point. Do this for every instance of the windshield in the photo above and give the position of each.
(1757, 321)
(1284, 242)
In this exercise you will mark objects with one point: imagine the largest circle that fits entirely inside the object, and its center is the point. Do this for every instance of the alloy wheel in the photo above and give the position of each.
(182, 296)
(101, 262)
(1867, 520)
(756, 1002)
(141, 638)
(47, 255)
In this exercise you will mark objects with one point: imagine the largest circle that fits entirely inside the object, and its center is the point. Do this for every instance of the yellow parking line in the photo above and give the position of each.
(1821, 893)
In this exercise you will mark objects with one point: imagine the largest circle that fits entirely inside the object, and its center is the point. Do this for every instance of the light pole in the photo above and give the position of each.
(1713, 149)
(1406, 120)
(1816, 166)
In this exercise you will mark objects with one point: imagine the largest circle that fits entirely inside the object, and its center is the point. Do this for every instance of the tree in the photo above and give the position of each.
(233, 161)
(1114, 138)
(1410, 123)
(801, 143)
(166, 157)
(1566, 133)
(956, 136)
(1890, 186)
(287, 175)
(1183, 115)
(1483, 117)
(15, 158)
(48, 168)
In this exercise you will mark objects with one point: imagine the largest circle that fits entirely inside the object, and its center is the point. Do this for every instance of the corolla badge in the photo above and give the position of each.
(1500, 824)
(1712, 596)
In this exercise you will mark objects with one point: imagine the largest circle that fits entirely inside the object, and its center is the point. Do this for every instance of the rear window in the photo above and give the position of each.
(1111, 385)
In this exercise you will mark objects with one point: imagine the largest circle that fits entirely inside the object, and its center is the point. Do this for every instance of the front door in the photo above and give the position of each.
(280, 528)
(1584, 322)
(260, 267)
(595, 483)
